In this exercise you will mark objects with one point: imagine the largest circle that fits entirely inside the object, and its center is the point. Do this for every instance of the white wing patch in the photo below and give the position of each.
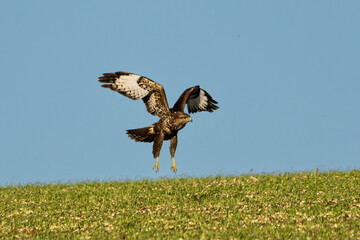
(199, 103)
(128, 85)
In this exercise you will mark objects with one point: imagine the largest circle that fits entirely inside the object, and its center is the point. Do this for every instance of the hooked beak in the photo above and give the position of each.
(190, 119)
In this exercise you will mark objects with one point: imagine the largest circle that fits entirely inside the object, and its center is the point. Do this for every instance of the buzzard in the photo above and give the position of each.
(171, 119)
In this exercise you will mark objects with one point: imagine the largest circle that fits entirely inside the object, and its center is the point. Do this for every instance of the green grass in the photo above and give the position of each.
(282, 206)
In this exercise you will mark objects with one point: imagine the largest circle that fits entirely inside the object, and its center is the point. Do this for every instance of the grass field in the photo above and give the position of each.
(289, 205)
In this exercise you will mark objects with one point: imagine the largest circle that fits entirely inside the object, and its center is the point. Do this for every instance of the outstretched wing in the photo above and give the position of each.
(135, 87)
(197, 100)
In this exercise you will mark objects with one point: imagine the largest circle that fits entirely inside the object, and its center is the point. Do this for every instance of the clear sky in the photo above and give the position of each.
(286, 75)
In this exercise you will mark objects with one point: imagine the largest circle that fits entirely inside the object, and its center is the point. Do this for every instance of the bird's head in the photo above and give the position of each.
(182, 118)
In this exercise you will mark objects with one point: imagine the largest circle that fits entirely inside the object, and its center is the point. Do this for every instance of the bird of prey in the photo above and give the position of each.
(171, 119)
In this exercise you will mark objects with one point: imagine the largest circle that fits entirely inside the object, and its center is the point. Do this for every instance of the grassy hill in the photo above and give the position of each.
(290, 206)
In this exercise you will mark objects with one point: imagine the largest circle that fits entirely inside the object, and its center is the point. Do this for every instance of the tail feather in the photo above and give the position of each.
(146, 134)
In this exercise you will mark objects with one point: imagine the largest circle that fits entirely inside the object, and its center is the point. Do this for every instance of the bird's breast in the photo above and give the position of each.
(167, 130)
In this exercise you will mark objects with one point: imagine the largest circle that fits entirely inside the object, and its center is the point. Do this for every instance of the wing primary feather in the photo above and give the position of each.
(107, 86)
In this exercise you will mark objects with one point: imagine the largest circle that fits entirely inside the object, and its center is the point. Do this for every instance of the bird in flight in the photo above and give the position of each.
(171, 119)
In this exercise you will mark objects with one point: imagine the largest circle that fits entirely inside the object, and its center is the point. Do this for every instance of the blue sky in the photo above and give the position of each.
(286, 75)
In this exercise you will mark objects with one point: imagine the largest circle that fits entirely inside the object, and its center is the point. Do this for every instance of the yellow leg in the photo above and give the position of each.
(156, 166)
(173, 167)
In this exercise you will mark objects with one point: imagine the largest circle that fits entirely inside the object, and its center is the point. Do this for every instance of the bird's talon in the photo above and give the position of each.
(173, 167)
(156, 166)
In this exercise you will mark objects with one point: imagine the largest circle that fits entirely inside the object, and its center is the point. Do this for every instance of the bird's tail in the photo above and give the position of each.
(146, 134)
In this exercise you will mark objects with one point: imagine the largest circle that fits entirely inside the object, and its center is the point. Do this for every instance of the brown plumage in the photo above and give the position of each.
(171, 120)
